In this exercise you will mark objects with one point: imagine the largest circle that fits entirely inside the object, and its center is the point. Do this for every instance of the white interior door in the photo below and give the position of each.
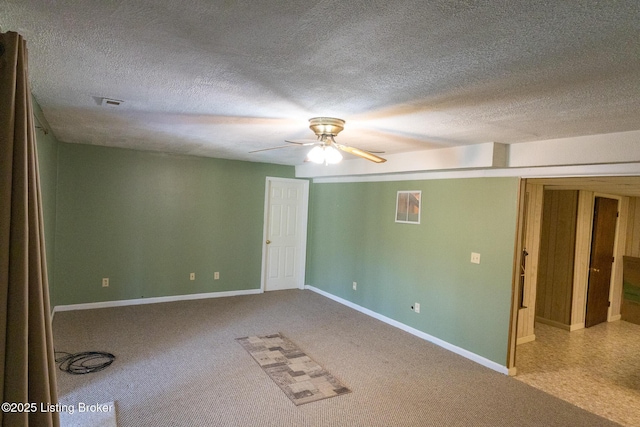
(285, 233)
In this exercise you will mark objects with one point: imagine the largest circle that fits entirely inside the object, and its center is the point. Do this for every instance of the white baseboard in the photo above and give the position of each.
(153, 300)
(526, 339)
(614, 318)
(453, 348)
(576, 326)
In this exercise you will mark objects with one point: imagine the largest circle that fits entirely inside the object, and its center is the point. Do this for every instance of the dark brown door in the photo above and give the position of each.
(604, 232)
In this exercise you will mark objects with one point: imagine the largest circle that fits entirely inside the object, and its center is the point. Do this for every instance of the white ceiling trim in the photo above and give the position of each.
(559, 156)
(475, 156)
(619, 147)
(582, 171)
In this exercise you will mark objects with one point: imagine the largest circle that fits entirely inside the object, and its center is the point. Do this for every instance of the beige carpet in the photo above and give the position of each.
(89, 415)
(178, 364)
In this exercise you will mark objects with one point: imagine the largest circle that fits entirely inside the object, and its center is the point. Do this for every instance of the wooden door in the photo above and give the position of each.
(285, 233)
(605, 217)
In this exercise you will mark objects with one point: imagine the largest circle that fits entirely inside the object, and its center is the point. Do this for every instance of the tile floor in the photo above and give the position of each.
(597, 369)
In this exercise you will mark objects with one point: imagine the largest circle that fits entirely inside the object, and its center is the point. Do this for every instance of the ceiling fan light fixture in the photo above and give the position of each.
(326, 126)
(326, 149)
(324, 154)
(332, 155)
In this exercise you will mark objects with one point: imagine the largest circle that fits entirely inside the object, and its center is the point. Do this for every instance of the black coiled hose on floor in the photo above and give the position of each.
(85, 362)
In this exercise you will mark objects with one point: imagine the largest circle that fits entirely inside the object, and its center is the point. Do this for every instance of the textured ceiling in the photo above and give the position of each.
(222, 78)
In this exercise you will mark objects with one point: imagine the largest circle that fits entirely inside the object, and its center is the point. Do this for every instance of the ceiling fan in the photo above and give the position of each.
(326, 150)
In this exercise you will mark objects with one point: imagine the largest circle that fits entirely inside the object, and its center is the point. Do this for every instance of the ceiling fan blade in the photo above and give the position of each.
(360, 153)
(272, 148)
(303, 141)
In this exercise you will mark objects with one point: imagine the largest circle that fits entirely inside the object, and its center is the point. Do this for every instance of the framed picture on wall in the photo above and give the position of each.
(408, 207)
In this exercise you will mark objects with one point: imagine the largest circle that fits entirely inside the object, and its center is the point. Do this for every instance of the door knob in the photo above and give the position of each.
(595, 270)
(268, 241)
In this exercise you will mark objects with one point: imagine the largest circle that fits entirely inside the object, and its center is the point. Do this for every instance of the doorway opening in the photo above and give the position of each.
(567, 305)
(572, 245)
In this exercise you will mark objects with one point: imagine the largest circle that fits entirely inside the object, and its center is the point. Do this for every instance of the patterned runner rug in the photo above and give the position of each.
(301, 379)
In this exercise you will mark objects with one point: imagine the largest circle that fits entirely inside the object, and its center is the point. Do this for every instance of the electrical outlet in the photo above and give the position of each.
(475, 258)
(355, 286)
(416, 307)
(216, 275)
(105, 282)
(192, 276)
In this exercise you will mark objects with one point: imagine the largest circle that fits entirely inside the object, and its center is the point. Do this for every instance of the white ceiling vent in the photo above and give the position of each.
(111, 103)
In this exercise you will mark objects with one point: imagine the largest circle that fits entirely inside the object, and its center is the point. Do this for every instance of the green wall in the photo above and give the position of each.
(146, 220)
(353, 237)
(47, 146)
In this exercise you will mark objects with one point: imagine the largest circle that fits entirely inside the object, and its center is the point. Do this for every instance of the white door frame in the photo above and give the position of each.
(303, 225)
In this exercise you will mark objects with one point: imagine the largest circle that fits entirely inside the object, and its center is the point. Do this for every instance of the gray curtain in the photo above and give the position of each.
(26, 342)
